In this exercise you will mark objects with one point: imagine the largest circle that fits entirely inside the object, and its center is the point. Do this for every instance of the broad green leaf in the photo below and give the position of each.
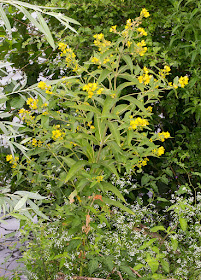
(174, 244)
(69, 161)
(92, 266)
(153, 263)
(157, 228)
(117, 204)
(109, 102)
(17, 102)
(114, 131)
(62, 262)
(113, 189)
(128, 61)
(110, 165)
(21, 203)
(183, 224)
(122, 86)
(5, 20)
(138, 266)
(165, 265)
(103, 74)
(148, 243)
(74, 169)
(87, 108)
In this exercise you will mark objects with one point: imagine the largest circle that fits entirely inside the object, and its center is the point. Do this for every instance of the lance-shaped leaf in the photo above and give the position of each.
(74, 169)
(117, 204)
(5, 19)
(113, 189)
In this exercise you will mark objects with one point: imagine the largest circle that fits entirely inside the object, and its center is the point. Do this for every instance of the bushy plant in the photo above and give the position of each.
(80, 131)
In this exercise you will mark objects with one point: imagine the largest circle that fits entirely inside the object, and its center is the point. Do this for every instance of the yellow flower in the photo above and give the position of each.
(34, 142)
(42, 85)
(144, 13)
(142, 49)
(142, 31)
(32, 103)
(95, 60)
(163, 136)
(113, 29)
(183, 81)
(128, 44)
(160, 151)
(9, 158)
(138, 123)
(99, 179)
(57, 134)
(149, 109)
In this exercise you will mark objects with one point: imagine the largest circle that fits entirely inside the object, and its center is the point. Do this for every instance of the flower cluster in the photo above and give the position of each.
(142, 162)
(163, 136)
(36, 143)
(92, 88)
(63, 47)
(113, 29)
(142, 31)
(71, 61)
(183, 81)
(101, 43)
(145, 78)
(158, 152)
(12, 160)
(26, 115)
(164, 72)
(99, 179)
(144, 13)
(141, 48)
(57, 133)
(44, 86)
(33, 103)
(138, 123)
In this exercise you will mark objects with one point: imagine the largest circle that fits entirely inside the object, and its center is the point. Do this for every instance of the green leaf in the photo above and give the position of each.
(69, 161)
(87, 108)
(153, 263)
(46, 30)
(117, 204)
(128, 61)
(109, 262)
(165, 266)
(5, 20)
(138, 266)
(115, 131)
(45, 121)
(36, 209)
(30, 195)
(36, 23)
(110, 166)
(74, 169)
(113, 189)
(21, 203)
(62, 262)
(145, 179)
(157, 228)
(103, 75)
(92, 266)
(148, 243)
(183, 224)
(174, 244)
(109, 102)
